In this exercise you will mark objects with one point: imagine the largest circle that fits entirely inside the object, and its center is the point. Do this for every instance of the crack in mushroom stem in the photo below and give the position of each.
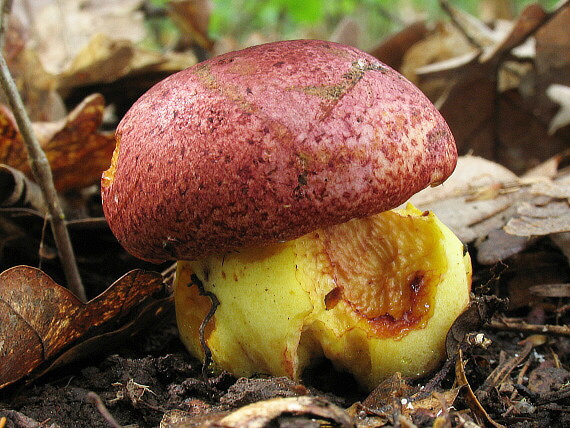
(202, 330)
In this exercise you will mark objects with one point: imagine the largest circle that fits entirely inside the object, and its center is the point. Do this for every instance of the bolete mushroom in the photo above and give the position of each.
(267, 174)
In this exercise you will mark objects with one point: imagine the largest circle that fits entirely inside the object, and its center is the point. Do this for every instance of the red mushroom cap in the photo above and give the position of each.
(267, 144)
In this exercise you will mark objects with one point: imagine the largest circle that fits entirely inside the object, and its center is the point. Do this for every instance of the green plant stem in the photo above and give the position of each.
(42, 173)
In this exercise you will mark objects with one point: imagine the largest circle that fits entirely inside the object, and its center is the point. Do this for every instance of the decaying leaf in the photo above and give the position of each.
(101, 46)
(550, 168)
(551, 290)
(297, 410)
(192, 17)
(471, 175)
(562, 241)
(544, 212)
(104, 59)
(478, 313)
(547, 379)
(387, 391)
(552, 65)
(533, 226)
(392, 50)
(264, 412)
(35, 85)
(77, 152)
(443, 44)
(499, 245)
(395, 396)
(491, 91)
(472, 201)
(19, 191)
(560, 94)
(485, 203)
(68, 26)
(39, 318)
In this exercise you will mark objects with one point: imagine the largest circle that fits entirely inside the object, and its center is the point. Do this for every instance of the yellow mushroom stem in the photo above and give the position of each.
(375, 296)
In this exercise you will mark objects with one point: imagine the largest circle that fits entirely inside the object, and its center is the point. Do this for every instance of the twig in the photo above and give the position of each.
(94, 399)
(501, 372)
(551, 396)
(523, 327)
(42, 173)
(452, 15)
(6, 7)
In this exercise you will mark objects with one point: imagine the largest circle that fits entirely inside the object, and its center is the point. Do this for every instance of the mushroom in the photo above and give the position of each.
(268, 174)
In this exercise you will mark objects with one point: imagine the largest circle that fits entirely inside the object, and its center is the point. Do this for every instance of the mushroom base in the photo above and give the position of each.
(375, 296)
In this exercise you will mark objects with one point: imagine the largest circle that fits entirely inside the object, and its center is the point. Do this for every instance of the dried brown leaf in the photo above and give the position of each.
(396, 395)
(459, 202)
(263, 413)
(386, 392)
(491, 98)
(552, 64)
(39, 318)
(550, 168)
(479, 312)
(105, 60)
(36, 86)
(532, 17)
(19, 191)
(77, 152)
(471, 174)
(551, 290)
(100, 47)
(559, 189)
(560, 94)
(533, 226)
(543, 380)
(545, 212)
(443, 44)
(101, 60)
(485, 203)
(499, 245)
(67, 26)
(392, 50)
(193, 17)
(435, 403)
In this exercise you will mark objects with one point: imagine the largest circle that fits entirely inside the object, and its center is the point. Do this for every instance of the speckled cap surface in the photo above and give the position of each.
(267, 144)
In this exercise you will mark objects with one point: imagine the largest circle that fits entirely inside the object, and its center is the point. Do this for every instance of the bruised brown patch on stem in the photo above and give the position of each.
(333, 297)
(384, 271)
(414, 311)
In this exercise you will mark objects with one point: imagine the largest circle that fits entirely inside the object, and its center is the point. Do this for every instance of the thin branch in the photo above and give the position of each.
(523, 327)
(42, 173)
(95, 400)
(5, 8)
(444, 4)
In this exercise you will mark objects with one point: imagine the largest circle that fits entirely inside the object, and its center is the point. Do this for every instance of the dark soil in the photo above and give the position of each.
(513, 376)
